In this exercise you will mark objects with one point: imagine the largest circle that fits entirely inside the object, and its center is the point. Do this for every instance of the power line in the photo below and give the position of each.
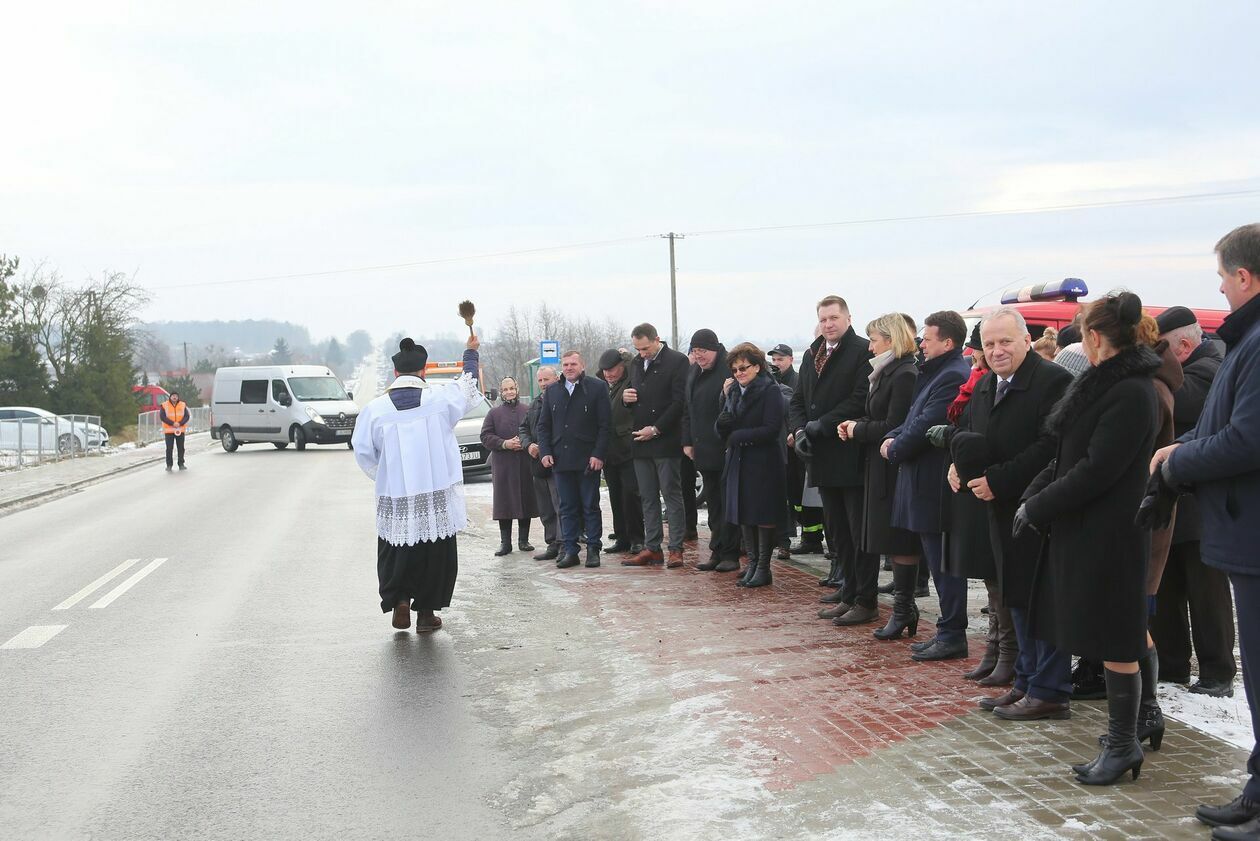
(883, 220)
(967, 214)
(414, 264)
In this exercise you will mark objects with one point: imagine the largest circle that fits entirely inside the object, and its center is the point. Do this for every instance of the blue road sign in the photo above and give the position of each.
(548, 352)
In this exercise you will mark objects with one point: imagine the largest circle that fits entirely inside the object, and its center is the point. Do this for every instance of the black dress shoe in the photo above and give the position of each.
(1249, 830)
(504, 549)
(709, 565)
(1240, 810)
(569, 560)
(592, 557)
(621, 546)
(856, 615)
(525, 546)
(941, 651)
(727, 566)
(635, 548)
(1214, 688)
(549, 554)
(922, 645)
(886, 589)
(1029, 708)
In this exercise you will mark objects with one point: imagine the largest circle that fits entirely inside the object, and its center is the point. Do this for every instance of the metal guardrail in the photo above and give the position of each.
(149, 424)
(25, 442)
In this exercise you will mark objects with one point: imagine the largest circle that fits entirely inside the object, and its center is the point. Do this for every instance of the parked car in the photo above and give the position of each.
(475, 459)
(279, 405)
(56, 433)
(149, 397)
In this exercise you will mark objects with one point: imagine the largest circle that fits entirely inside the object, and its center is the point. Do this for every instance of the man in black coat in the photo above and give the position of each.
(782, 368)
(573, 437)
(703, 445)
(656, 398)
(1187, 581)
(544, 482)
(1006, 411)
(832, 387)
(623, 488)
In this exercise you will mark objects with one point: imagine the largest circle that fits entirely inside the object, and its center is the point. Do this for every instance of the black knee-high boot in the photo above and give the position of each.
(765, 546)
(522, 531)
(749, 533)
(905, 613)
(505, 538)
(1121, 753)
(1150, 723)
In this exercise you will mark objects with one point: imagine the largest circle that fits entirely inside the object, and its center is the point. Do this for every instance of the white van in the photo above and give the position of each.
(278, 404)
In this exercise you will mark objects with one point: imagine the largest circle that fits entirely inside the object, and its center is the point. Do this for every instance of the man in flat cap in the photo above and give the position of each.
(702, 444)
(1188, 582)
(405, 441)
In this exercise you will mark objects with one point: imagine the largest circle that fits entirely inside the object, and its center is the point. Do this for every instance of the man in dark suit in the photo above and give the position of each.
(1005, 419)
(658, 380)
(545, 492)
(832, 387)
(1187, 581)
(573, 438)
(921, 475)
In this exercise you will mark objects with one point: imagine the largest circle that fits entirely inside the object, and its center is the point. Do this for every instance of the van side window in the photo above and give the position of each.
(279, 390)
(254, 391)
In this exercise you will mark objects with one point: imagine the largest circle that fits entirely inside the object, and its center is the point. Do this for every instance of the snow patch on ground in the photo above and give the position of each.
(1225, 718)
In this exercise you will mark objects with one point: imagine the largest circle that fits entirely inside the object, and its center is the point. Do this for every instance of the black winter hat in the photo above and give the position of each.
(609, 359)
(1174, 317)
(410, 358)
(974, 342)
(1069, 335)
(705, 339)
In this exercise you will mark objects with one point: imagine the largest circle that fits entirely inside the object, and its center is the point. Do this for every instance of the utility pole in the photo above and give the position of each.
(673, 289)
(186, 371)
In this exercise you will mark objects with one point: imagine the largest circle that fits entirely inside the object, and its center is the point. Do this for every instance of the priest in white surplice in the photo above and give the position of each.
(405, 440)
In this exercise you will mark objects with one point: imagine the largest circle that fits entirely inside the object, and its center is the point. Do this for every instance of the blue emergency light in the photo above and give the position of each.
(1068, 289)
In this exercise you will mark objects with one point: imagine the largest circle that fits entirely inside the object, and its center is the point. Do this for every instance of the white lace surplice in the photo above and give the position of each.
(414, 458)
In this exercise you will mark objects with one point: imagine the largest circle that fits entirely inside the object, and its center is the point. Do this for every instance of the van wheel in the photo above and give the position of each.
(279, 445)
(299, 438)
(228, 439)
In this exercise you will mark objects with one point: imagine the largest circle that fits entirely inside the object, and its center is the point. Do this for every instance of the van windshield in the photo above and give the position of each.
(308, 389)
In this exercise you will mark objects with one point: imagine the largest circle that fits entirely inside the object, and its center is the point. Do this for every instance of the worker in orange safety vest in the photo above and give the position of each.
(174, 415)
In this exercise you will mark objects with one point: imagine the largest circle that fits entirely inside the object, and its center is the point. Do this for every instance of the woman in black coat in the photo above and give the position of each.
(892, 377)
(751, 424)
(1089, 588)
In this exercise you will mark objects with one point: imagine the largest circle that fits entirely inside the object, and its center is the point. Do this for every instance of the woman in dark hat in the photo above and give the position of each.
(751, 424)
(509, 467)
(1089, 588)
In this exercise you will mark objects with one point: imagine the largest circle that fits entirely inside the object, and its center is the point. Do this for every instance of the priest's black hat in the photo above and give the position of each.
(410, 358)
(1174, 317)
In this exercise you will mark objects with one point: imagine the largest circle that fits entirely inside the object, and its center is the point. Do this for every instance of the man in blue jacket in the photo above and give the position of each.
(1220, 460)
(920, 489)
(573, 438)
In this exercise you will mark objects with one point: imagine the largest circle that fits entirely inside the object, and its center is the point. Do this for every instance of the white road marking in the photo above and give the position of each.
(97, 584)
(128, 584)
(35, 636)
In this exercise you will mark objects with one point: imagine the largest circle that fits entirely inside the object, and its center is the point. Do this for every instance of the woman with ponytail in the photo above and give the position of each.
(1089, 588)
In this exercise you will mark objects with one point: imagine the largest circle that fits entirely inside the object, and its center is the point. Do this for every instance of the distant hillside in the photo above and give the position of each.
(250, 336)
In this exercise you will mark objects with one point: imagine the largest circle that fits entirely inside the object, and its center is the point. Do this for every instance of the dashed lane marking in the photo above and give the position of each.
(97, 584)
(109, 597)
(35, 636)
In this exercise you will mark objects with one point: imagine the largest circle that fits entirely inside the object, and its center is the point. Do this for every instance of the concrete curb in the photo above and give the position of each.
(9, 506)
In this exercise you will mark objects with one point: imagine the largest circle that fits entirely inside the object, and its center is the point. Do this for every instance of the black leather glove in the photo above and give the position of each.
(814, 430)
(1022, 523)
(1156, 509)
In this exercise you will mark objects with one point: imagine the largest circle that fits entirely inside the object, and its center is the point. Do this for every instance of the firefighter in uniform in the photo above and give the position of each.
(174, 415)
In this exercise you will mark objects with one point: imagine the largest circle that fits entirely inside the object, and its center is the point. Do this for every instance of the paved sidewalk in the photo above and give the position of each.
(33, 485)
(858, 741)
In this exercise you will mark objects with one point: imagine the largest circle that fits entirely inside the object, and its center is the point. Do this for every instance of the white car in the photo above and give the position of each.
(39, 429)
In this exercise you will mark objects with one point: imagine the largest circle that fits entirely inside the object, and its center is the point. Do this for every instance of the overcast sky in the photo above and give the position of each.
(234, 141)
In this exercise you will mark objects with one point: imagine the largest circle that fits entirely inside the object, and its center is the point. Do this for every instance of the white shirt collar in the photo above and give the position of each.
(407, 381)
(570, 385)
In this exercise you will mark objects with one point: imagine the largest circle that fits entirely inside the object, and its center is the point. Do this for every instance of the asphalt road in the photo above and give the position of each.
(247, 686)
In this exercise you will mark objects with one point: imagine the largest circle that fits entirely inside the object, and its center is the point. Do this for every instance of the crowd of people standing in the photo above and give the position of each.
(1096, 480)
